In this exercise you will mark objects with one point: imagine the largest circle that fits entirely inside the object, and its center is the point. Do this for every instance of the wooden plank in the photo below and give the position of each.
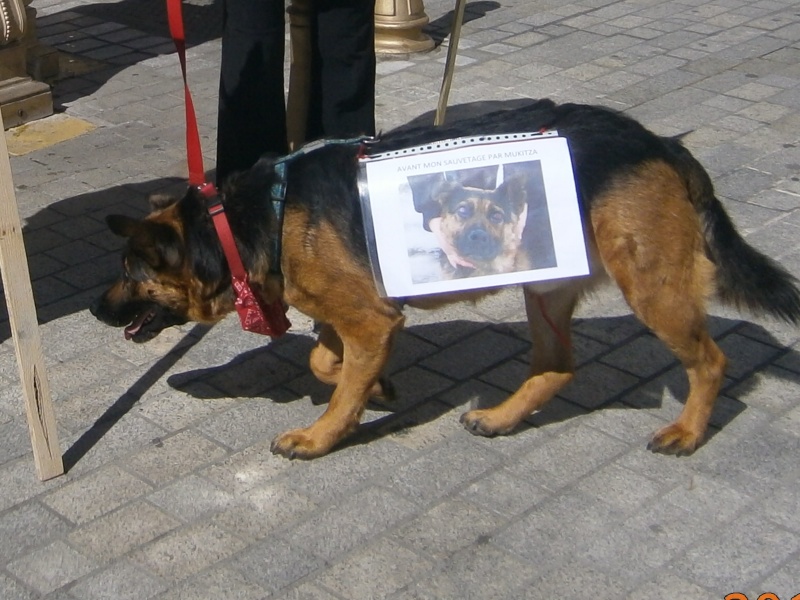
(25, 327)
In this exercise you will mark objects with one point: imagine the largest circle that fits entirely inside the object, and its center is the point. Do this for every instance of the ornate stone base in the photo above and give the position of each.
(22, 99)
(12, 60)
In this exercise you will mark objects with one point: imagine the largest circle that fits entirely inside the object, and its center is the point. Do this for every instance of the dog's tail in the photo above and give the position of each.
(746, 278)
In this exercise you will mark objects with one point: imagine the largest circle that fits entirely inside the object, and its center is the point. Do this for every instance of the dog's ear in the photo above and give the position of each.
(159, 244)
(122, 225)
(512, 194)
(444, 192)
(170, 248)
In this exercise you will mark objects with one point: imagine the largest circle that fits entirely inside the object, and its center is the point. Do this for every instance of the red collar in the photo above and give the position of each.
(256, 316)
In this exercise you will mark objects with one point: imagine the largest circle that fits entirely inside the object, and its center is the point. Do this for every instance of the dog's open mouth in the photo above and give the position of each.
(151, 320)
(141, 321)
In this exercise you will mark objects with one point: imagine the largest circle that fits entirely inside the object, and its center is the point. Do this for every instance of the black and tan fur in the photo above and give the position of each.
(653, 225)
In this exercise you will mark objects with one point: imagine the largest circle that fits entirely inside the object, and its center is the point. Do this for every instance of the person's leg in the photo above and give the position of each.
(251, 117)
(342, 102)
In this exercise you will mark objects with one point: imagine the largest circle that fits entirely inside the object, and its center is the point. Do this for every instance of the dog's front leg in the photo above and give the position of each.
(549, 317)
(365, 350)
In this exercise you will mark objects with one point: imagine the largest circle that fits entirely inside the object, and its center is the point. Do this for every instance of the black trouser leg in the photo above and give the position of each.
(252, 114)
(342, 101)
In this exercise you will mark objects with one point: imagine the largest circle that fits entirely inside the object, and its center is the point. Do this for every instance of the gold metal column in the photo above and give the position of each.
(398, 27)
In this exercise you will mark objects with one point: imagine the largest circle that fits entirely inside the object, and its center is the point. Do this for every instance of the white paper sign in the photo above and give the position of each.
(472, 213)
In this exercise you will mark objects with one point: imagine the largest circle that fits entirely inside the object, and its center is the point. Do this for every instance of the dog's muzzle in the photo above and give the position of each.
(478, 244)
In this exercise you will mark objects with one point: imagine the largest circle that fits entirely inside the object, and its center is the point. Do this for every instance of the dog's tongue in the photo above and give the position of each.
(132, 329)
(463, 262)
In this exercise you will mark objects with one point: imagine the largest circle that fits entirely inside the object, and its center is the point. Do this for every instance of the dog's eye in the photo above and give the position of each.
(496, 217)
(464, 211)
(126, 276)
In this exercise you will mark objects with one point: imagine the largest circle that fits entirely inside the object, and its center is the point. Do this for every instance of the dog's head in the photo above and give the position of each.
(482, 225)
(159, 285)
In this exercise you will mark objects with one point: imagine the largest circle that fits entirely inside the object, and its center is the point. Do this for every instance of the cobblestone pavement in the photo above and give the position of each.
(171, 491)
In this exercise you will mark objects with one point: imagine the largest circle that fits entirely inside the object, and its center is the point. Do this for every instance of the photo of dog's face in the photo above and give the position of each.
(483, 226)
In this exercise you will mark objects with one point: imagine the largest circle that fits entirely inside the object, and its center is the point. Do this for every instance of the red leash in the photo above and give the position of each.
(254, 315)
(197, 175)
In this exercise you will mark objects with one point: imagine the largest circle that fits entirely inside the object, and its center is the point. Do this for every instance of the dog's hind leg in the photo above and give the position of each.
(705, 367)
(326, 363)
(549, 318)
(650, 241)
(677, 317)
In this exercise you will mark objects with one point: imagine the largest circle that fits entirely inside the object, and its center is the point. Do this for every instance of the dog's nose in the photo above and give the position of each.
(478, 236)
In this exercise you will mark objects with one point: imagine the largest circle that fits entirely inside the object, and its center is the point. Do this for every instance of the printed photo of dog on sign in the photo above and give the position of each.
(479, 221)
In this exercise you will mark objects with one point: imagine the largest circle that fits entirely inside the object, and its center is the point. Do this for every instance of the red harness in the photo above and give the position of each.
(254, 314)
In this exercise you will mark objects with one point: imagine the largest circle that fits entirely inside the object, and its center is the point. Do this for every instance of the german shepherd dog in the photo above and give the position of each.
(483, 226)
(652, 224)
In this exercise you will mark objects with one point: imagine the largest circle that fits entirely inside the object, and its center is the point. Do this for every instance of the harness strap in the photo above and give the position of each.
(278, 189)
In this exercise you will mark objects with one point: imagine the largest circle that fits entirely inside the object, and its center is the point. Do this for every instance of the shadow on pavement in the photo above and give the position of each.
(92, 49)
(202, 18)
(442, 27)
(467, 110)
(128, 400)
(420, 406)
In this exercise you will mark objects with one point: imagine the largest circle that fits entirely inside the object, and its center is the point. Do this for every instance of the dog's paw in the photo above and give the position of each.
(481, 422)
(297, 443)
(674, 439)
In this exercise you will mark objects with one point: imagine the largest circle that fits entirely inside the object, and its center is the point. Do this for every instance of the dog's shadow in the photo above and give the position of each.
(620, 365)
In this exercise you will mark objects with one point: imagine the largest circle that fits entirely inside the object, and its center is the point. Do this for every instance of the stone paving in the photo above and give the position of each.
(171, 491)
